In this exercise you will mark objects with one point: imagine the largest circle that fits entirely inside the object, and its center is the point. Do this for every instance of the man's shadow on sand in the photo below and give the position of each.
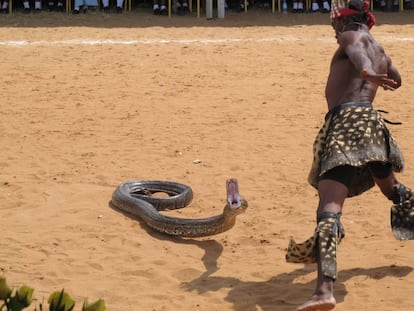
(282, 292)
(279, 293)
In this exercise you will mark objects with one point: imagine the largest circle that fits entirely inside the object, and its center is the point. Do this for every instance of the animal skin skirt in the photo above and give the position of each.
(354, 134)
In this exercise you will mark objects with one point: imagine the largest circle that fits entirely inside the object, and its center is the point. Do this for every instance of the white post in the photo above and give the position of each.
(209, 9)
(220, 8)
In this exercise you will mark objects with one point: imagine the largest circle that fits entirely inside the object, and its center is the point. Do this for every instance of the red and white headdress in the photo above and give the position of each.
(351, 7)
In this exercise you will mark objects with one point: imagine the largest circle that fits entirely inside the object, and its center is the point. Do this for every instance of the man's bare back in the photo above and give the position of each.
(355, 66)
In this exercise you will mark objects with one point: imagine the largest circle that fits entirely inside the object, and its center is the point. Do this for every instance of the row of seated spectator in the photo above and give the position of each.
(36, 6)
(159, 7)
(298, 6)
(393, 5)
(85, 4)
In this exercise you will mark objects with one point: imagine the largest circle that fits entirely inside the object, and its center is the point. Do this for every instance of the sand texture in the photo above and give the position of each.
(90, 101)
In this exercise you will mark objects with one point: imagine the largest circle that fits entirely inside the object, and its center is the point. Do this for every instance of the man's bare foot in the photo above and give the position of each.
(318, 303)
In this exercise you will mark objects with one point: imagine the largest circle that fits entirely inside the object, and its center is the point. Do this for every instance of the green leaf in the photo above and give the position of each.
(60, 301)
(98, 305)
(5, 290)
(15, 304)
(24, 294)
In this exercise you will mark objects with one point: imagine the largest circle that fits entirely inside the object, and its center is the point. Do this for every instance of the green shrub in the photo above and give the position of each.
(21, 298)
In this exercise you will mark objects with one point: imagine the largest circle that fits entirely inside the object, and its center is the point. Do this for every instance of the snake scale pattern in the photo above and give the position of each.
(137, 198)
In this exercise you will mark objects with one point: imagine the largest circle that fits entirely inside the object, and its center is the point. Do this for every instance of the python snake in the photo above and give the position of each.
(136, 198)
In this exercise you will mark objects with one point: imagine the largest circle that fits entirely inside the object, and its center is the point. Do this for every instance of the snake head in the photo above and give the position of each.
(234, 201)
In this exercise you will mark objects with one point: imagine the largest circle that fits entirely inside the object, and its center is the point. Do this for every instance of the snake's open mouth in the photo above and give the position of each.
(233, 196)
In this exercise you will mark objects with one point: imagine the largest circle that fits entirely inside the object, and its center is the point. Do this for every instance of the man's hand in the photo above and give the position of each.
(380, 80)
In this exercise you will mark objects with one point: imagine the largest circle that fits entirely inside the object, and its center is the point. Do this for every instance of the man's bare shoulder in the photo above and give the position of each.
(351, 38)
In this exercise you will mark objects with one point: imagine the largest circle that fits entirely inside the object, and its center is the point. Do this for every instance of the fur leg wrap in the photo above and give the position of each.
(330, 233)
(402, 213)
(302, 252)
(327, 236)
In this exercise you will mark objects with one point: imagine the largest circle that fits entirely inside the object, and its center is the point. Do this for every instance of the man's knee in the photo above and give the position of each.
(380, 170)
(383, 174)
(332, 193)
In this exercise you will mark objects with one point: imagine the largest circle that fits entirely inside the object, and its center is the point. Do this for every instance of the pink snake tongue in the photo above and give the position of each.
(233, 196)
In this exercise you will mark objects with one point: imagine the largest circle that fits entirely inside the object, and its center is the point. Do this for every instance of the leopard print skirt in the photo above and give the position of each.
(354, 134)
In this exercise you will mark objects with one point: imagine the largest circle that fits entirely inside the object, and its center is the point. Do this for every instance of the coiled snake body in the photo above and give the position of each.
(136, 198)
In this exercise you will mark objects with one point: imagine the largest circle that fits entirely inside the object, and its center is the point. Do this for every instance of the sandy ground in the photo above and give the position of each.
(91, 101)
